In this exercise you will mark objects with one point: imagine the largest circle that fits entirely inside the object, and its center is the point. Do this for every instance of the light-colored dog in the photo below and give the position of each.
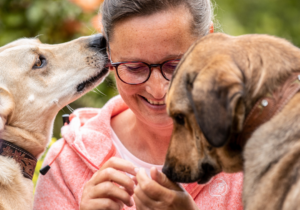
(236, 105)
(36, 81)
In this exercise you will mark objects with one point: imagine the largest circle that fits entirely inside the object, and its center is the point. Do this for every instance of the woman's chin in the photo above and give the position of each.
(161, 120)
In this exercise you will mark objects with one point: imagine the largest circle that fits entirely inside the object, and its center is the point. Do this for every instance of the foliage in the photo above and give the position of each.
(275, 17)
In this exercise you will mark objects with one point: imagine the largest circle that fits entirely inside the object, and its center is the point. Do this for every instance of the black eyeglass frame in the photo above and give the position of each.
(117, 64)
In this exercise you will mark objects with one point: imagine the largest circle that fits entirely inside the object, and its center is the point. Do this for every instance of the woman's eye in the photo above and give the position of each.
(133, 68)
(179, 118)
(40, 62)
(137, 69)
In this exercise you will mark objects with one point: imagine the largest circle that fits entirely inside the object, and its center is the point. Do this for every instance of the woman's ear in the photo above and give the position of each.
(211, 29)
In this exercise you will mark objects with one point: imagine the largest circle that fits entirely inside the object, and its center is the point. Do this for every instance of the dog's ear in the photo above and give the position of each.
(219, 109)
(6, 106)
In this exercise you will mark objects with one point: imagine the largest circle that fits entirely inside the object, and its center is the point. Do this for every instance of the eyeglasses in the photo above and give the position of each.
(134, 73)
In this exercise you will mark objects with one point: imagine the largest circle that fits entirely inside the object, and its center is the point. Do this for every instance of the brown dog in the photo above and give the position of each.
(236, 105)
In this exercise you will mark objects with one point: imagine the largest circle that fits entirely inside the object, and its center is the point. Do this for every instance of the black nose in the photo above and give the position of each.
(167, 171)
(98, 42)
(170, 172)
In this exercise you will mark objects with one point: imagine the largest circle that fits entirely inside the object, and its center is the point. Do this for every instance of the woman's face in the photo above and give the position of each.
(152, 39)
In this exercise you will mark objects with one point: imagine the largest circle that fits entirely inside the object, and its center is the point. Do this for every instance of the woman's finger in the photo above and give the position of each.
(110, 190)
(139, 204)
(113, 175)
(119, 164)
(142, 198)
(152, 189)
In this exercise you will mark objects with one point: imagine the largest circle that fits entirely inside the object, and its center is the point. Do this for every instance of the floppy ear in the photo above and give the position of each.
(6, 106)
(219, 110)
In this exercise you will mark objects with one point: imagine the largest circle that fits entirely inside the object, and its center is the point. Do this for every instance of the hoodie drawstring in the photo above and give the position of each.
(45, 169)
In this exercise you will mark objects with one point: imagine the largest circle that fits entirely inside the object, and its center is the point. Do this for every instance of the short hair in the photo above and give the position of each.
(117, 10)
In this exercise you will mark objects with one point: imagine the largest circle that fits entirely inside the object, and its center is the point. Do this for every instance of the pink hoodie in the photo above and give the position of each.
(88, 146)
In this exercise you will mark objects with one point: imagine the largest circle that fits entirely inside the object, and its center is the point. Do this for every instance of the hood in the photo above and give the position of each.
(89, 132)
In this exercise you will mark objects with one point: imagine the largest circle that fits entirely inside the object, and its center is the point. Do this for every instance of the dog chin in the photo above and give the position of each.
(204, 179)
(92, 81)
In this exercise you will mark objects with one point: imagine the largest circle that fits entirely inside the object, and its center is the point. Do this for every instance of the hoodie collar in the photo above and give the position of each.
(89, 132)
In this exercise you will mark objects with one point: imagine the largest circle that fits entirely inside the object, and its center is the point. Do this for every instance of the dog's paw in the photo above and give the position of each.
(10, 171)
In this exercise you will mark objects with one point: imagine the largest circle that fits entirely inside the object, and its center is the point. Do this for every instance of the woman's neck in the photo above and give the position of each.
(145, 141)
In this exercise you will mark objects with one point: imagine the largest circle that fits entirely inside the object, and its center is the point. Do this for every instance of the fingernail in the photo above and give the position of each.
(136, 170)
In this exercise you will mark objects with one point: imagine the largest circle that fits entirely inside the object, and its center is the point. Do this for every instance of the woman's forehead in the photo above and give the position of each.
(161, 35)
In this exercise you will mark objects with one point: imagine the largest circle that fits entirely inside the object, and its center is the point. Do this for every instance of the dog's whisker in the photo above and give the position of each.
(37, 36)
(93, 31)
(100, 91)
(63, 110)
(96, 92)
(70, 108)
(57, 104)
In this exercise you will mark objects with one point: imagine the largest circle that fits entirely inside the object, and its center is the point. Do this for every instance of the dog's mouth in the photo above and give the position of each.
(92, 81)
(208, 171)
(206, 177)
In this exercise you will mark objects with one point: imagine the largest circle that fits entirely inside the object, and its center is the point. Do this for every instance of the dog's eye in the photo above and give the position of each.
(179, 118)
(40, 62)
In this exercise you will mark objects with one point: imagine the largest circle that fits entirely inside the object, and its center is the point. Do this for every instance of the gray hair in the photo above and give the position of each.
(117, 10)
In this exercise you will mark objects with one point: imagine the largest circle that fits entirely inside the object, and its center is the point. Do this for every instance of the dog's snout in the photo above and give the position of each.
(178, 173)
(98, 42)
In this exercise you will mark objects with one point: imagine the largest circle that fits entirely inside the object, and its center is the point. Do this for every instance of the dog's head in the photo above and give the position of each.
(37, 80)
(213, 89)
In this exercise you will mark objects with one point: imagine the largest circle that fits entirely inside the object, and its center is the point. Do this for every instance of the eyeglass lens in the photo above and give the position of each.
(137, 72)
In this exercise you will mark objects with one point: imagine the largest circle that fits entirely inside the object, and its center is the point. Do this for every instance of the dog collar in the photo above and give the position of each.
(26, 160)
(268, 106)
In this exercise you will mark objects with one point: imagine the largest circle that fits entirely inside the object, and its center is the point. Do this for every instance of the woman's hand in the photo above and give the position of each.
(101, 192)
(159, 193)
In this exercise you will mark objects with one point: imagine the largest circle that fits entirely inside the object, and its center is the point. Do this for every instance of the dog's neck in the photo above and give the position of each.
(26, 160)
(33, 142)
(268, 106)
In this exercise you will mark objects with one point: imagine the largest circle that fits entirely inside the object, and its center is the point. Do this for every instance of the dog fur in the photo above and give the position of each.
(214, 88)
(31, 96)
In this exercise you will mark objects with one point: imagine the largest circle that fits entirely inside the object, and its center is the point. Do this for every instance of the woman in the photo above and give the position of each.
(128, 138)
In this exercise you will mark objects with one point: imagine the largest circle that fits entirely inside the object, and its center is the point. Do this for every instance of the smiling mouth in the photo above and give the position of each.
(155, 103)
(91, 81)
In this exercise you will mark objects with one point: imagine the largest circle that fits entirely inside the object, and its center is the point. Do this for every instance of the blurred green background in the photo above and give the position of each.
(56, 21)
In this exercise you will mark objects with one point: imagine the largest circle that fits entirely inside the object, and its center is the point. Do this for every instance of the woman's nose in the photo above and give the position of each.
(157, 85)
